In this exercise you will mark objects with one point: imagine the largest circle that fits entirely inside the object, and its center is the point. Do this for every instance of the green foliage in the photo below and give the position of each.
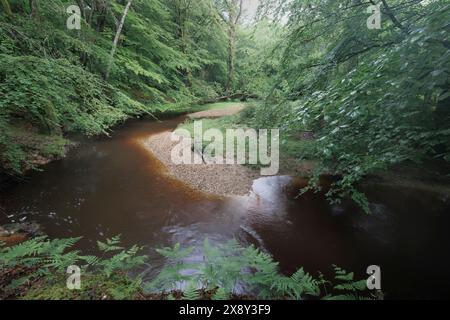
(227, 267)
(191, 292)
(39, 267)
(49, 259)
(172, 276)
(52, 78)
(221, 294)
(256, 43)
(372, 98)
(54, 95)
(39, 254)
(120, 259)
(348, 288)
(94, 286)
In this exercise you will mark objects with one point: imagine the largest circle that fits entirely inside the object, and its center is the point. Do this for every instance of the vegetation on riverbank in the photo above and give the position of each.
(369, 99)
(373, 98)
(36, 269)
(355, 100)
(56, 81)
(296, 157)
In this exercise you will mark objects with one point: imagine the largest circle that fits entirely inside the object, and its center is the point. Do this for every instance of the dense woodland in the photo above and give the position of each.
(370, 98)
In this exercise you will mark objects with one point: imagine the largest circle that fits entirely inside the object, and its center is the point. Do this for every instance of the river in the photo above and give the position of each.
(113, 186)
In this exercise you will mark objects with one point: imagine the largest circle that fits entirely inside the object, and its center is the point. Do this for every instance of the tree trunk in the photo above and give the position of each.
(234, 14)
(101, 12)
(6, 7)
(182, 8)
(33, 8)
(82, 7)
(231, 58)
(116, 39)
(393, 18)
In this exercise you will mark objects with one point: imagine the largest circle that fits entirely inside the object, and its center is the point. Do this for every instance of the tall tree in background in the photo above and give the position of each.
(182, 10)
(230, 11)
(201, 37)
(6, 7)
(116, 39)
(33, 8)
(100, 8)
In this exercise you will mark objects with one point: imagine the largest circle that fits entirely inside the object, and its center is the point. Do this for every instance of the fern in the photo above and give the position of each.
(347, 288)
(176, 253)
(191, 292)
(170, 297)
(227, 265)
(50, 259)
(110, 245)
(224, 268)
(220, 294)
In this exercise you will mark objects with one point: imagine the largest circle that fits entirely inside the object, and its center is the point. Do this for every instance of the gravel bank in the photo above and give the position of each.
(222, 180)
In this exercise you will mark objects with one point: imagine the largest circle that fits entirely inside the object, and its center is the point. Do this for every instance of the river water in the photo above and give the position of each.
(113, 186)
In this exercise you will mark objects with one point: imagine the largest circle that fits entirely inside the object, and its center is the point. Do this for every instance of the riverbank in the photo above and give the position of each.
(227, 180)
(214, 179)
(222, 180)
(112, 186)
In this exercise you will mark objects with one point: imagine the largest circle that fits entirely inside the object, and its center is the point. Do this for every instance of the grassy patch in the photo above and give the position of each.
(297, 148)
(94, 287)
(293, 148)
(216, 106)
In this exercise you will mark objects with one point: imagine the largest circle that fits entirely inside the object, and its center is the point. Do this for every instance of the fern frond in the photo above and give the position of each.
(221, 294)
(191, 292)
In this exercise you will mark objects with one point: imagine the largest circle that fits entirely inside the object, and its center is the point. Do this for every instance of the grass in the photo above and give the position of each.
(236, 121)
(292, 148)
(94, 287)
(192, 108)
(216, 106)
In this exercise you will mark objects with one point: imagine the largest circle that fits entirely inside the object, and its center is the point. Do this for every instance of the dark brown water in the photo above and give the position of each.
(113, 186)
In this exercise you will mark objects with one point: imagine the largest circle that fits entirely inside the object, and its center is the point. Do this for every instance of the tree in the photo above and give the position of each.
(33, 8)
(182, 10)
(100, 9)
(116, 39)
(6, 7)
(230, 11)
(373, 98)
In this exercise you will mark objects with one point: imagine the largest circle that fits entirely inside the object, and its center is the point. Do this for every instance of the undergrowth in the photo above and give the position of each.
(36, 269)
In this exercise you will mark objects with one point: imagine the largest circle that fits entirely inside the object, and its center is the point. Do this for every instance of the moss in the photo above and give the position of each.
(93, 287)
(24, 147)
